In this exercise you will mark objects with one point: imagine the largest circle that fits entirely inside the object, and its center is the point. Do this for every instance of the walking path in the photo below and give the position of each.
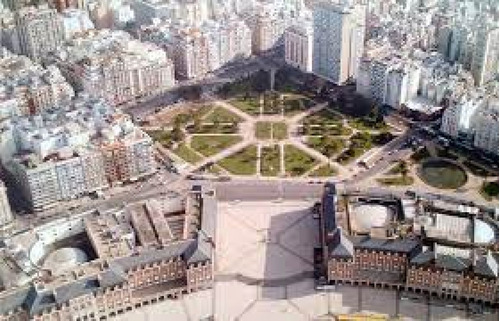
(247, 132)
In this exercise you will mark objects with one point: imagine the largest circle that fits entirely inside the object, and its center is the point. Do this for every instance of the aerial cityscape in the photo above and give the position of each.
(249, 160)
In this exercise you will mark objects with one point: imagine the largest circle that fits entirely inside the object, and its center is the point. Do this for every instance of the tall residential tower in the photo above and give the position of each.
(339, 31)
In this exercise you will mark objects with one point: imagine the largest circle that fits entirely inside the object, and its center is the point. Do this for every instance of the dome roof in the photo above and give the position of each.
(483, 232)
(367, 216)
(64, 259)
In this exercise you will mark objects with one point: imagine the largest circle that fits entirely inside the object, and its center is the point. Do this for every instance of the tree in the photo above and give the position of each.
(177, 133)
(403, 168)
(196, 122)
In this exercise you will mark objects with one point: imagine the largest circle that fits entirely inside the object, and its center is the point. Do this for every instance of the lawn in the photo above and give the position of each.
(325, 170)
(242, 162)
(297, 162)
(250, 105)
(366, 123)
(443, 174)
(222, 115)
(323, 117)
(489, 190)
(349, 155)
(294, 104)
(187, 154)
(397, 169)
(329, 129)
(164, 137)
(209, 145)
(270, 160)
(214, 128)
(396, 180)
(326, 145)
(185, 117)
(272, 103)
(280, 131)
(268, 130)
(263, 130)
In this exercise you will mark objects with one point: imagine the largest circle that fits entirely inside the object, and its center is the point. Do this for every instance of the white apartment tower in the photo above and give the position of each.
(299, 47)
(39, 31)
(485, 57)
(339, 31)
(5, 211)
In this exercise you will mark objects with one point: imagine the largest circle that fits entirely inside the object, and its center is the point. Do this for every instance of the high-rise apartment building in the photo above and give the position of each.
(484, 66)
(28, 88)
(114, 66)
(196, 51)
(6, 215)
(62, 155)
(39, 31)
(339, 31)
(299, 47)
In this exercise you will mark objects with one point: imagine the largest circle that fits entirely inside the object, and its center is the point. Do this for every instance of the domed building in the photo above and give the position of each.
(64, 259)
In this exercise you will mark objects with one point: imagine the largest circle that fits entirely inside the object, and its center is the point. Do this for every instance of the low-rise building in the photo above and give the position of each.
(362, 245)
(125, 275)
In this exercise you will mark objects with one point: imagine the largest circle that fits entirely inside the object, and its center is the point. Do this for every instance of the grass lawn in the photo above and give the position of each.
(263, 129)
(297, 162)
(211, 145)
(323, 117)
(396, 180)
(270, 160)
(215, 128)
(272, 104)
(268, 130)
(214, 169)
(330, 129)
(185, 117)
(489, 190)
(365, 123)
(325, 170)
(443, 174)
(249, 105)
(184, 152)
(222, 115)
(164, 137)
(396, 169)
(280, 131)
(242, 162)
(326, 145)
(294, 104)
(349, 155)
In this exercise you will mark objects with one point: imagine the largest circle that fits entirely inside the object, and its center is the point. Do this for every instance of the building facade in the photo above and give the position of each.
(299, 47)
(62, 155)
(468, 272)
(39, 31)
(121, 281)
(6, 215)
(111, 65)
(338, 40)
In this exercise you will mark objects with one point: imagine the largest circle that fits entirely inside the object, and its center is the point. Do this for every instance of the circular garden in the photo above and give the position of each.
(443, 174)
